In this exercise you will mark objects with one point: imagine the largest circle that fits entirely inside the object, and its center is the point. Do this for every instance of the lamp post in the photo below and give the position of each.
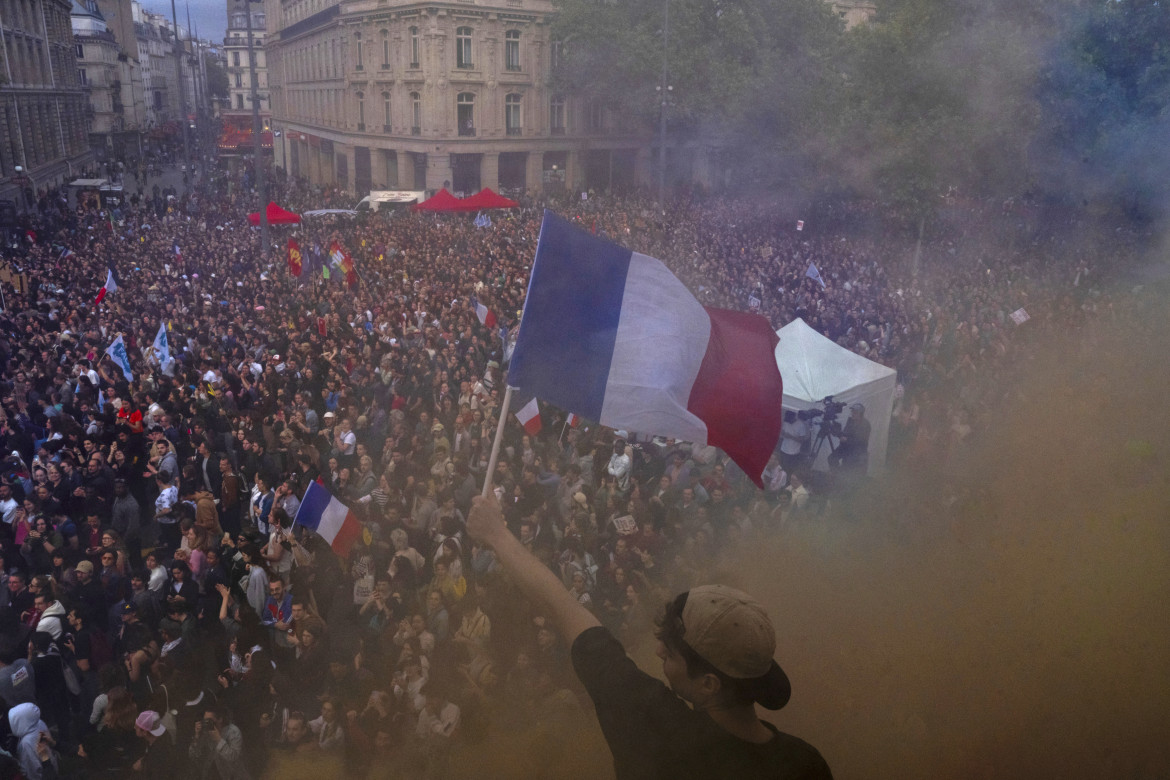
(261, 184)
(23, 180)
(663, 90)
(179, 86)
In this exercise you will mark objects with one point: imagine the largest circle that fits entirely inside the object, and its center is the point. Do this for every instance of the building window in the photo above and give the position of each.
(465, 112)
(239, 101)
(80, 52)
(235, 59)
(385, 50)
(512, 114)
(512, 50)
(258, 20)
(463, 47)
(556, 115)
(555, 52)
(239, 20)
(82, 77)
(360, 52)
(386, 111)
(414, 47)
(415, 113)
(361, 101)
(239, 80)
(596, 117)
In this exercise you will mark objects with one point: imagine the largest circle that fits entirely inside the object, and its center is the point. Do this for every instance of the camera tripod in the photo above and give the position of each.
(825, 434)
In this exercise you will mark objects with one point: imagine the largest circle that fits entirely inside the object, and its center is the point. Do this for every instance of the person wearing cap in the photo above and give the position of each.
(160, 757)
(716, 645)
(851, 452)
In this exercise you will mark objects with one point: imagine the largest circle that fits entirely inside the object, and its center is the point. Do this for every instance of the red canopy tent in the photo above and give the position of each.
(440, 201)
(276, 216)
(487, 198)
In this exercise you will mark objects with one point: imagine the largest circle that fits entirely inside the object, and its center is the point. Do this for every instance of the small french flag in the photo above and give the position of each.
(484, 314)
(178, 253)
(529, 417)
(573, 420)
(320, 511)
(110, 286)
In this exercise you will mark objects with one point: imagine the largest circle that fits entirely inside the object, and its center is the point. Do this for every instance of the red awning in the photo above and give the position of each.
(441, 201)
(488, 199)
(276, 216)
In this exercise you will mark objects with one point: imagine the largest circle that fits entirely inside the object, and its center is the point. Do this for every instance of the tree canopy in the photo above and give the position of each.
(996, 97)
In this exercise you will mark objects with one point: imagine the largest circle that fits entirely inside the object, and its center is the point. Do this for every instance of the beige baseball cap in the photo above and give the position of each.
(731, 631)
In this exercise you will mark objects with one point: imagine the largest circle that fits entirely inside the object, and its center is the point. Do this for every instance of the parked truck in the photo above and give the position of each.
(383, 200)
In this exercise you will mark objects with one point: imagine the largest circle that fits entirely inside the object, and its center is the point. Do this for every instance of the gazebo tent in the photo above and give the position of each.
(487, 198)
(814, 367)
(276, 216)
(440, 201)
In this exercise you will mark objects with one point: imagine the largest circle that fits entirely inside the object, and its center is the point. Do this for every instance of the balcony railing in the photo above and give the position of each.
(467, 131)
(361, 127)
(416, 131)
(385, 128)
(515, 131)
(557, 130)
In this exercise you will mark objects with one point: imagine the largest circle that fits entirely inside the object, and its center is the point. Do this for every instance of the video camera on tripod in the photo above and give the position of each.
(829, 426)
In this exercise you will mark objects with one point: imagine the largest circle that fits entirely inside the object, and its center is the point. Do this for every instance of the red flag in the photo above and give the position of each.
(294, 258)
(321, 326)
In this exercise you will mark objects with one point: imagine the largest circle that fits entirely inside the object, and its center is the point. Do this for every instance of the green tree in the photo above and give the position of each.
(737, 69)
(1105, 97)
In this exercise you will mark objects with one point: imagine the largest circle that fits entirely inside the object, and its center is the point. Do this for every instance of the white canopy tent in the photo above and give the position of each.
(814, 367)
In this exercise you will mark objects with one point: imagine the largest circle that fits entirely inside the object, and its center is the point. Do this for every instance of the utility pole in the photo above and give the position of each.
(179, 86)
(664, 92)
(257, 166)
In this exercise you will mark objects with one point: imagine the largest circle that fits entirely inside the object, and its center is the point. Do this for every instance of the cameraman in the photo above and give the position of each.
(794, 438)
(851, 452)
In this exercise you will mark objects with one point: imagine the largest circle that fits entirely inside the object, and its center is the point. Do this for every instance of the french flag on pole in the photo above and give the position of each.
(614, 336)
(529, 416)
(330, 518)
(484, 314)
(110, 286)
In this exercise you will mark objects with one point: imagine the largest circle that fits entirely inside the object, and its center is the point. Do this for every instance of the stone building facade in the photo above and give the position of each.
(44, 109)
(370, 94)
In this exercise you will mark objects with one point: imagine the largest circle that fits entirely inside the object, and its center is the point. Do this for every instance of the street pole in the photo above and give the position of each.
(257, 166)
(179, 86)
(663, 90)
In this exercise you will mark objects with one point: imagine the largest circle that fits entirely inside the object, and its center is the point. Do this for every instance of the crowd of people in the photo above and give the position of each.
(162, 612)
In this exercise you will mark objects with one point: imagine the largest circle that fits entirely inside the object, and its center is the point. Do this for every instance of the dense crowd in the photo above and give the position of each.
(160, 610)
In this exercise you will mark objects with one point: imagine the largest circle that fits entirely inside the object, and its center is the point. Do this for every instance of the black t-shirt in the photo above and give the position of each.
(652, 733)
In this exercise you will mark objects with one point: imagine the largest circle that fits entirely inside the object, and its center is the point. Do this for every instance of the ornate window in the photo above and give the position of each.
(465, 112)
(463, 47)
(512, 50)
(513, 114)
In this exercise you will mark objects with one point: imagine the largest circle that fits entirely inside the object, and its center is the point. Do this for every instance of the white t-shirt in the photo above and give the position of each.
(798, 429)
(348, 442)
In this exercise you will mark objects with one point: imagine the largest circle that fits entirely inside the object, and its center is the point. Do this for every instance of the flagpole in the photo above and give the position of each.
(495, 456)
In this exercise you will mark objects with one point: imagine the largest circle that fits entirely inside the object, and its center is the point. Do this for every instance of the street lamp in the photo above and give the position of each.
(662, 115)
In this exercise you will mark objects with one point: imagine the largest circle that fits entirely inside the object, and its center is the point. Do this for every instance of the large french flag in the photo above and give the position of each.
(330, 518)
(614, 336)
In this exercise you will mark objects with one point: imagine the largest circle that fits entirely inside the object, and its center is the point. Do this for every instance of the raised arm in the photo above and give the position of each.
(533, 578)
